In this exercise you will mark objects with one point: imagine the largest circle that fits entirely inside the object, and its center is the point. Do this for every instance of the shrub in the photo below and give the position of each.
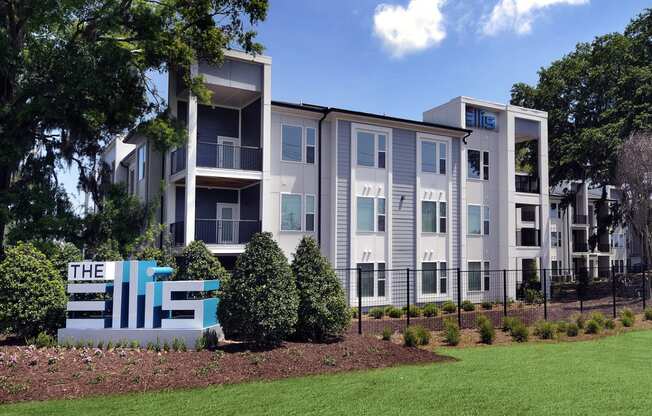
(572, 330)
(416, 335)
(487, 305)
(44, 340)
(509, 322)
(593, 327)
(579, 319)
(63, 254)
(259, 302)
(599, 318)
(178, 345)
(395, 312)
(610, 324)
(647, 314)
(414, 311)
(449, 307)
(486, 330)
(533, 296)
(627, 317)
(544, 330)
(520, 332)
(353, 312)
(451, 332)
(32, 295)
(468, 306)
(377, 313)
(562, 326)
(430, 310)
(322, 304)
(198, 263)
(387, 333)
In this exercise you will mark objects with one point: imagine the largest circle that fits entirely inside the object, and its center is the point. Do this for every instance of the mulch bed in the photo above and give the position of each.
(27, 373)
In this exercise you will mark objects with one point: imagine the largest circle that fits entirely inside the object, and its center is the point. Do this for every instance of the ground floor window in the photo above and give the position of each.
(479, 276)
(434, 278)
(373, 281)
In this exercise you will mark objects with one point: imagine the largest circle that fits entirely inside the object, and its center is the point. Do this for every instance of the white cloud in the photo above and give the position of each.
(518, 15)
(410, 29)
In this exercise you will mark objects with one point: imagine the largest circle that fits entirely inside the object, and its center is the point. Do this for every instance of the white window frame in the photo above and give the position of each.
(141, 162)
(301, 145)
(436, 222)
(442, 217)
(438, 296)
(375, 134)
(301, 216)
(468, 231)
(375, 299)
(306, 213)
(438, 143)
(373, 215)
(483, 164)
(307, 146)
(483, 271)
(377, 214)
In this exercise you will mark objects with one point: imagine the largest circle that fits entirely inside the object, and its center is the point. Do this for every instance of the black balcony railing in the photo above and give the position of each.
(176, 230)
(580, 219)
(212, 231)
(580, 247)
(528, 237)
(178, 160)
(526, 183)
(212, 155)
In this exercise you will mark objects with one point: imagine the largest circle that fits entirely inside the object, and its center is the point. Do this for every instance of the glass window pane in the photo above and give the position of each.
(381, 206)
(475, 281)
(428, 278)
(310, 154)
(442, 158)
(310, 222)
(381, 280)
(486, 220)
(487, 275)
(381, 160)
(310, 203)
(365, 214)
(311, 136)
(443, 274)
(474, 219)
(428, 217)
(381, 142)
(442, 217)
(366, 279)
(290, 212)
(428, 157)
(291, 143)
(473, 164)
(366, 152)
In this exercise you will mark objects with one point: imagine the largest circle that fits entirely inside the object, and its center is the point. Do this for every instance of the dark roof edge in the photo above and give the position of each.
(326, 110)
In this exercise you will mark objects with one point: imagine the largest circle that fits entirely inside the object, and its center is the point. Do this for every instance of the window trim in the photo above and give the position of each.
(375, 299)
(438, 142)
(483, 271)
(141, 160)
(436, 204)
(468, 231)
(301, 145)
(301, 225)
(438, 296)
(314, 146)
(376, 156)
(483, 164)
(377, 214)
(373, 215)
(306, 212)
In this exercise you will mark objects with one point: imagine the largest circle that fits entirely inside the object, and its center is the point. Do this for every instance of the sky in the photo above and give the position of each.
(402, 57)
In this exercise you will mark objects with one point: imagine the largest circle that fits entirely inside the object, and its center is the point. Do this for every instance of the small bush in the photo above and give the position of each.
(509, 322)
(572, 330)
(468, 306)
(579, 319)
(647, 314)
(599, 318)
(178, 345)
(610, 324)
(416, 335)
(430, 310)
(395, 313)
(544, 330)
(415, 311)
(627, 317)
(562, 326)
(486, 330)
(134, 345)
(486, 305)
(449, 307)
(533, 296)
(43, 340)
(593, 327)
(520, 332)
(354, 313)
(451, 332)
(200, 344)
(387, 333)
(376, 313)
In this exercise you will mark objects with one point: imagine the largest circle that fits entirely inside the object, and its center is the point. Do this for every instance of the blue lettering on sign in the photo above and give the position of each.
(477, 118)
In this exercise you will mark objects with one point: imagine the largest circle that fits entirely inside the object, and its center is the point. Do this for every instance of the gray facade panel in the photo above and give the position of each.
(343, 240)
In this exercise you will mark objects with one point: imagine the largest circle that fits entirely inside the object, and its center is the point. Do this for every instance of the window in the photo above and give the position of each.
(382, 145)
(473, 157)
(559, 239)
(428, 157)
(442, 158)
(485, 220)
(555, 268)
(132, 182)
(311, 142)
(366, 289)
(474, 220)
(381, 215)
(291, 146)
(142, 159)
(428, 216)
(487, 275)
(528, 213)
(428, 278)
(485, 166)
(310, 213)
(290, 212)
(475, 273)
(554, 211)
(365, 214)
(443, 278)
(553, 239)
(443, 223)
(365, 149)
(381, 280)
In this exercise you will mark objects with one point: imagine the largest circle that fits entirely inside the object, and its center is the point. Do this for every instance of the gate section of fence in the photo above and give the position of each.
(392, 299)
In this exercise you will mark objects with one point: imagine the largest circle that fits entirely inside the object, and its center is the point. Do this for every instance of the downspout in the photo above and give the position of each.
(319, 178)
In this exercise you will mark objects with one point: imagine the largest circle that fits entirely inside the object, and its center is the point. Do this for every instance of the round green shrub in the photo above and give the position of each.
(520, 332)
(627, 317)
(599, 318)
(451, 332)
(376, 313)
(647, 314)
(579, 319)
(544, 330)
(198, 263)
(423, 335)
(593, 327)
(260, 301)
(562, 326)
(416, 335)
(486, 330)
(322, 304)
(387, 333)
(395, 312)
(449, 307)
(486, 305)
(572, 330)
(32, 295)
(415, 311)
(509, 322)
(467, 306)
(430, 310)
(610, 324)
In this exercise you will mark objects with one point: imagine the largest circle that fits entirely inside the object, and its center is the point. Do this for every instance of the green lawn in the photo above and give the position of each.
(610, 376)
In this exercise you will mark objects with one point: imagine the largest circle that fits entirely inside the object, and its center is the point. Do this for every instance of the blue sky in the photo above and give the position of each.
(401, 57)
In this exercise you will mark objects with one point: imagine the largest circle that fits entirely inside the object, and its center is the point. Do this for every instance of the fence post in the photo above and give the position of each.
(408, 296)
(545, 295)
(613, 291)
(459, 298)
(504, 292)
(359, 301)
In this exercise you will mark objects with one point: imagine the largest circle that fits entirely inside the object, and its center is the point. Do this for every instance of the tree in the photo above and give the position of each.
(323, 313)
(635, 179)
(108, 250)
(32, 296)
(259, 301)
(61, 255)
(75, 74)
(198, 263)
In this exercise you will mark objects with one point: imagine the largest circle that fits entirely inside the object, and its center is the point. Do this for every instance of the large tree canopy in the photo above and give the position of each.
(595, 96)
(73, 74)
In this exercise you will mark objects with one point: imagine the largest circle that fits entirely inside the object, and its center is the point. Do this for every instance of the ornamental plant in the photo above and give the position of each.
(322, 304)
(260, 301)
(32, 295)
(198, 263)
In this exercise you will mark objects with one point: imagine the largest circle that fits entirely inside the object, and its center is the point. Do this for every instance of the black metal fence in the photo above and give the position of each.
(397, 298)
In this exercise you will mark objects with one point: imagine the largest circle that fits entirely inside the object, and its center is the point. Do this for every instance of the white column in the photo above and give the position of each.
(266, 137)
(191, 161)
(170, 189)
(544, 194)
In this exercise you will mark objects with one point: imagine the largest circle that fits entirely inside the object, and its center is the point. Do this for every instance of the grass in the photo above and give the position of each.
(608, 376)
